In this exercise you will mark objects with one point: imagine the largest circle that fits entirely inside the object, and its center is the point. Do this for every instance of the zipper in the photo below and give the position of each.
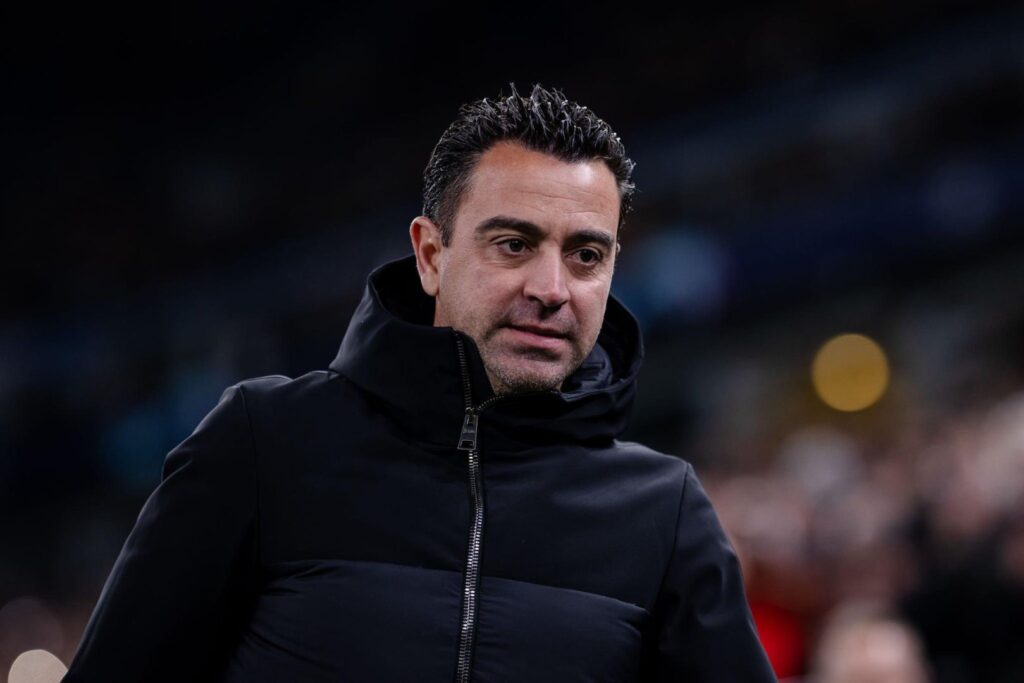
(471, 579)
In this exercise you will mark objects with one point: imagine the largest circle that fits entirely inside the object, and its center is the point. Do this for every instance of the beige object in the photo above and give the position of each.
(36, 666)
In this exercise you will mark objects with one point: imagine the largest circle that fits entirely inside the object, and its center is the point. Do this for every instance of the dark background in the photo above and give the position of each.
(193, 196)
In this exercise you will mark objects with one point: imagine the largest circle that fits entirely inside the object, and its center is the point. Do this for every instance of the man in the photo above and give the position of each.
(448, 501)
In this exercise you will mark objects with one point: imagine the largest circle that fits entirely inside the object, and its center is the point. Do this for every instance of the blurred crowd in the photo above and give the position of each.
(896, 560)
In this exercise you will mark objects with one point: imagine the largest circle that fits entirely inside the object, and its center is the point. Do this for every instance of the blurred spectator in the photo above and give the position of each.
(862, 644)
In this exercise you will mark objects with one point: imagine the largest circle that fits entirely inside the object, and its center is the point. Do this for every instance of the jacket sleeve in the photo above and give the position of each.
(704, 629)
(166, 610)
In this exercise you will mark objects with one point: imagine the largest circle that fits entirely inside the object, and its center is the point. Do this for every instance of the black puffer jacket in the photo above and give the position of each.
(359, 524)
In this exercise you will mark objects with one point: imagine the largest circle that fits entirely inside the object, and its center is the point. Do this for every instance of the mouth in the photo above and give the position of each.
(540, 337)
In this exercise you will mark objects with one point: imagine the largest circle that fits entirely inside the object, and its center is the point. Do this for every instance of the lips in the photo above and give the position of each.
(546, 338)
(541, 331)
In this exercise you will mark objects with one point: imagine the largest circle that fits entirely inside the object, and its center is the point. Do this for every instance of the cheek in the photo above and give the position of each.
(476, 299)
(494, 289)
(590, 311)
(457, 283)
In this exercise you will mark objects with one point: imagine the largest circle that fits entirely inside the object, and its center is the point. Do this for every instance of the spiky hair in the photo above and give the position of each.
(544, 121)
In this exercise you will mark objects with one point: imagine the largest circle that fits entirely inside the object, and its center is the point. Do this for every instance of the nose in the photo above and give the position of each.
(546, 280)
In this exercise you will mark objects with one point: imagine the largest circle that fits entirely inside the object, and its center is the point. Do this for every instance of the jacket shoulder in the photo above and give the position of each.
(268, 385)
(273, 388)
(278, 405)
(673, 465)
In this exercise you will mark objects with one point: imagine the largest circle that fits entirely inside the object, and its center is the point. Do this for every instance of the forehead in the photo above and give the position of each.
(510, 179)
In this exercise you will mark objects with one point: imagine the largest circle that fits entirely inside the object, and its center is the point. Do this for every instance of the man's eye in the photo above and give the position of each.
(588, 256)
(514, 245)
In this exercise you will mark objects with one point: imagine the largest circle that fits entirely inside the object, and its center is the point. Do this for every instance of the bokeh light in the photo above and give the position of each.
(850, 372)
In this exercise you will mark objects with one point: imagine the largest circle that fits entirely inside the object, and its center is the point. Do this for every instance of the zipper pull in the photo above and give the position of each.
(467, 440)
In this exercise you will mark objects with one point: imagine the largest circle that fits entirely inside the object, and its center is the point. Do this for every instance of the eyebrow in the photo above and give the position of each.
(535, 232)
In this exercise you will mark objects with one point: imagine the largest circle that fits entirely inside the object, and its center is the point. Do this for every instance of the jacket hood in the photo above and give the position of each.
(392, 351)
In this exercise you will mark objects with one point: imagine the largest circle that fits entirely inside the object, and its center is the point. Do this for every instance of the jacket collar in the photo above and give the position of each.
(392, 351)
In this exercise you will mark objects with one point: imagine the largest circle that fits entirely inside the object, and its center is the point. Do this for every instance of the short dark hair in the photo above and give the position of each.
(545, 121)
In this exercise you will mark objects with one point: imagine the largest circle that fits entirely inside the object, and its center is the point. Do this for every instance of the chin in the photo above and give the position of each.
(516, 381)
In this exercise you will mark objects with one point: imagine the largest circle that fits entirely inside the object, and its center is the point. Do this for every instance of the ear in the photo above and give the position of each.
(426, 244)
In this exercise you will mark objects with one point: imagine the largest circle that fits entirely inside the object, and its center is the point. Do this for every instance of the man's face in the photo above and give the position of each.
(529, 265)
